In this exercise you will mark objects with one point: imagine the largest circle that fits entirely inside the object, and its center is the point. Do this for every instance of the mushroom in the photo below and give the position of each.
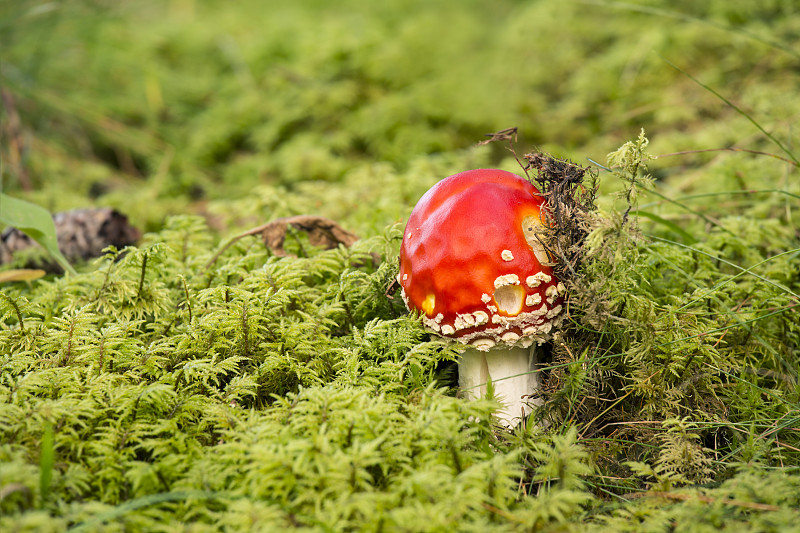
(472, 264)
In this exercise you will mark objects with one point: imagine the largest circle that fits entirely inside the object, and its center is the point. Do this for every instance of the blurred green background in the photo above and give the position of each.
(246, 111)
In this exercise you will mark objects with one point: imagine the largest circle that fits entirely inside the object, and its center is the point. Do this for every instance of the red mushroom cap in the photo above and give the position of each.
(472, 265)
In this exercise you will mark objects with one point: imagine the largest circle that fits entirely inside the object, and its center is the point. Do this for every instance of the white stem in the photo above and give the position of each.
(516, 384)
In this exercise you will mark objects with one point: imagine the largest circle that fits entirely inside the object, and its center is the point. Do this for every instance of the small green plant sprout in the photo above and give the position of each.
(681, 459)
(628, 164)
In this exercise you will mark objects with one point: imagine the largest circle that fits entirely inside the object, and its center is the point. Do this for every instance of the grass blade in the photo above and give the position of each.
(737, 109)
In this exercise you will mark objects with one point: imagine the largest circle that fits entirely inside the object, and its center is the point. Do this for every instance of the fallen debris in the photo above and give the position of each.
(82, 235)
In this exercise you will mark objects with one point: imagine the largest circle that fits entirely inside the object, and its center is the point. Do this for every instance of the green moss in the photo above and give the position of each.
(257, 392)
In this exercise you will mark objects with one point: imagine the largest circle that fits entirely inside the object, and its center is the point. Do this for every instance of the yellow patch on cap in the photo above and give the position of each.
(429, 303)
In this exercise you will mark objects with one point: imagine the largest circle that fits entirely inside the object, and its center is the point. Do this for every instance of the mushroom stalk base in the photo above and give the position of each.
(514, 378)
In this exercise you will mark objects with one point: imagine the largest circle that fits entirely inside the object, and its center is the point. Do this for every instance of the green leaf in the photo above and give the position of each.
(36, 222)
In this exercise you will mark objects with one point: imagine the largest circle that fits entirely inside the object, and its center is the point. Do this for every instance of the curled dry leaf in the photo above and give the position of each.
(322, 232)
(508, 134)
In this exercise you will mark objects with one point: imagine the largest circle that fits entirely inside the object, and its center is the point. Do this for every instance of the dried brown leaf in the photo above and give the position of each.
(322, 232)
